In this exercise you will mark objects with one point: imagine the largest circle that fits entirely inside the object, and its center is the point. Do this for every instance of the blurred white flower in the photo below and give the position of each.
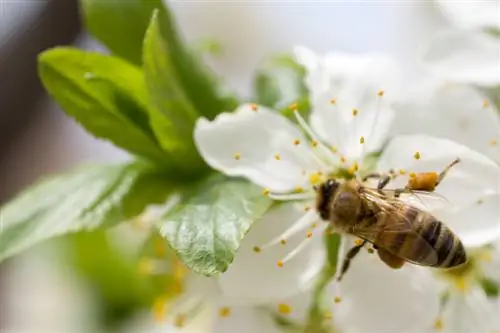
(453, 111)
(466, 307)
(470, 54)
(472, 15)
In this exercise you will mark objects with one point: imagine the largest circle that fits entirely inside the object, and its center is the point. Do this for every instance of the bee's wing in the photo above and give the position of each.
(394, 230)
(421, 199)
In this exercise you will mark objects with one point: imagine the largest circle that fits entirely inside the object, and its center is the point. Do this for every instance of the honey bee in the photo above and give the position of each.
(400, 232)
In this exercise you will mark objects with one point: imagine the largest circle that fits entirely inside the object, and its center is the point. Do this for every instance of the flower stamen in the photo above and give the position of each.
(284, 309)
(302, 224)
(310, 133)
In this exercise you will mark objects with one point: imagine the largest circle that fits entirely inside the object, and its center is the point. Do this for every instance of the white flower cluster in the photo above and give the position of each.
(358, 108)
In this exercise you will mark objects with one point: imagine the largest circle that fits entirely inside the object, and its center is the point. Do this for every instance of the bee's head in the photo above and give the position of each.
(324, 194)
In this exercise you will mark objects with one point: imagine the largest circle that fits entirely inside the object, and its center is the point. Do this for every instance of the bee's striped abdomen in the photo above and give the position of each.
(449, 249)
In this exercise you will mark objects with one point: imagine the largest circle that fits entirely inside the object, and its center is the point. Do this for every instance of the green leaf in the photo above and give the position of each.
(177, 114)
(120, 25)
(85, 199)
(105, 94)
(280, 83)
(208, 228)
(491, 288)
(173, 68)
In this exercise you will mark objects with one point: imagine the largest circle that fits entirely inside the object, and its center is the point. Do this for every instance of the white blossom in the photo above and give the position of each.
(454, 111)
(469, 54)
(351, 115)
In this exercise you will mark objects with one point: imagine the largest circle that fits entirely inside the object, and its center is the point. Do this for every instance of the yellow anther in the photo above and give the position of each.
(277, 157)
(253, 106)
(266, 192)
(343, 159)
(380, 93)
(493, 142)
(354, 168)
(307, 208)
(180, 321)
(416, 155)
(298, 189)
(315, 178)
(293, 106)
(412, 175)
(237, 156)
(327, 315)
(309, 234)
(402, 172)
(362, 140)
(335, 149)
(486, 103)
(337, 300)
(284, 308)
(358, 242)
(283, 242)
(370, 250)
(314, 143)
(225, 312)
(314, 225)
(296, 142)
(257, 249)
(160, 309)
(438, 324)
(333, 101)
(355, 112)
(280, 264)
(462, 285)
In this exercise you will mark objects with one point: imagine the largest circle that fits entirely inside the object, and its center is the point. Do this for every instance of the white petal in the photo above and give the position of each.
(490, 263)
(246, 320)
(453, 111)
(477, 224)
(465, 57)
(475, 14)
(256, 276)
(471, 179)
(354, 81)
(257, 136)
(376, 298)
(470, 312)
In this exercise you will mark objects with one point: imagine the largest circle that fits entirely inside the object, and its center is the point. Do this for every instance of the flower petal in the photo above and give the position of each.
(453, 111)
(465, 57)
(471, 14)
(256, 276)
(471, 179)
(246, 143)
(490, 263)
(354, 81)
(376, 298)
(477, 224)
(470, 312)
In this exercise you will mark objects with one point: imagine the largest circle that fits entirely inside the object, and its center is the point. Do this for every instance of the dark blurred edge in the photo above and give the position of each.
(58, 23)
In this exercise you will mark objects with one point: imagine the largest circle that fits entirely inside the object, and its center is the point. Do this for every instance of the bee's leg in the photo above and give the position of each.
(399, 191)
(383, 182)
(445, 171)
(348, 257)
